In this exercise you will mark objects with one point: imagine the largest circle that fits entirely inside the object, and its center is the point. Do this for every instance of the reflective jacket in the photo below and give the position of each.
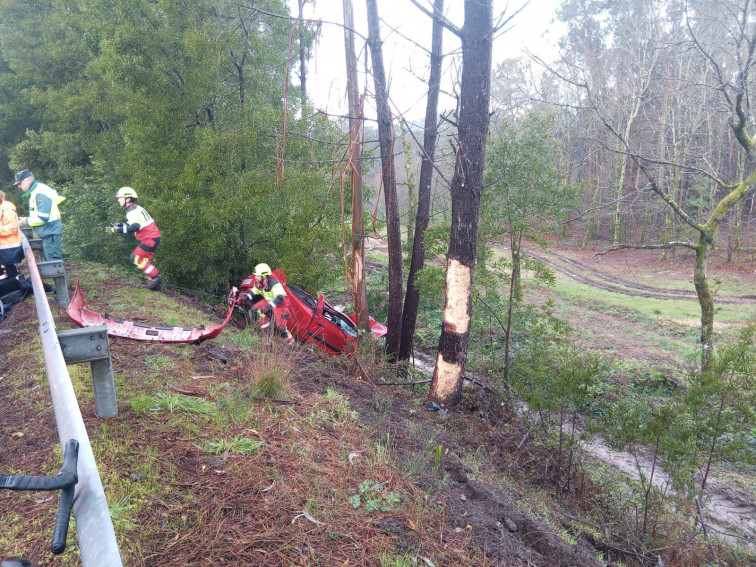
(44, 215)
(11, 251)
(271, 290)
(139, 221)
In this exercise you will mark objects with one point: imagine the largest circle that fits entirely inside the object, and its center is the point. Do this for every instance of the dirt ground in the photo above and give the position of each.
(642, 274)
(476, 506)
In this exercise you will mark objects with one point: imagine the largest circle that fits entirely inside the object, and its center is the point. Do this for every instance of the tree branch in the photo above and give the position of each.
(439, 18)
(667, 246)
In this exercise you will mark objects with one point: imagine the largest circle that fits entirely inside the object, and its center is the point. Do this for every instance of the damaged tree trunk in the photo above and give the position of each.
(355, 130)
(466, 189)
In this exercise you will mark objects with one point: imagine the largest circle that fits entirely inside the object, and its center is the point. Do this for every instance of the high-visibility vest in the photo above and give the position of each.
(10, 235)
(39, 193)
(274, 291)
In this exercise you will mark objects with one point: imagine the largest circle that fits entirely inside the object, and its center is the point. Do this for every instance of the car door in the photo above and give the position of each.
(322, 330)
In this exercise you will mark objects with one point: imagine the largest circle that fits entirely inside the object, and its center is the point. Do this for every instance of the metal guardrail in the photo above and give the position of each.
(94, 526)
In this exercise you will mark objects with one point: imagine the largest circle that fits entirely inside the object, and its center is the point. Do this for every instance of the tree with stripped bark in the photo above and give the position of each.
(476, 36)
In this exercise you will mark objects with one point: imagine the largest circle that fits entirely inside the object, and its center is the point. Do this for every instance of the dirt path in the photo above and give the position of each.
(729, 511)
(594, 277)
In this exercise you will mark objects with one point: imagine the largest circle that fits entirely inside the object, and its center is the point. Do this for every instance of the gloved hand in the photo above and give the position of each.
(117, 227)
(232, 295)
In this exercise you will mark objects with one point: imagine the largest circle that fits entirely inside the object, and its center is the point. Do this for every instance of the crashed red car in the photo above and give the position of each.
(310, 320)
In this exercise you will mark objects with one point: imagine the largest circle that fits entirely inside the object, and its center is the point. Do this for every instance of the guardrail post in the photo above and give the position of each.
(90, 344)
(56, 270)
(36, 246)
(34, 243)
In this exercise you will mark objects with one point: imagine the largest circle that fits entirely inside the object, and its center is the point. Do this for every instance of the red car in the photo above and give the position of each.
(310, 320)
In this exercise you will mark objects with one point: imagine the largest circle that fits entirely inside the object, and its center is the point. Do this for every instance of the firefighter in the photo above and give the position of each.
(11, 251)
(146, 231)
(267, 295)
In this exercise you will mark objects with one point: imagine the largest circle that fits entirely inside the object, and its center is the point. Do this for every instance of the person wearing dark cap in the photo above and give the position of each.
(44, 216)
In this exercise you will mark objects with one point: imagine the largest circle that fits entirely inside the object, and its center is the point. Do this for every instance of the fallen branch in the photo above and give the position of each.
(305, 514)
(403, 383)
(188, 392)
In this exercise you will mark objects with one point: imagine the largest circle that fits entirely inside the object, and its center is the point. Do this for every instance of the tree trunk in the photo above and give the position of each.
(386, 142)
(515, 243)
(705, 300)
(302, 54)
(358, 219)
(466, 189)
(412, 296)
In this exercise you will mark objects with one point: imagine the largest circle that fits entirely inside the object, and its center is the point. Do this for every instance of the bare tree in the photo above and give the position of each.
(412, 297)
(386, 138)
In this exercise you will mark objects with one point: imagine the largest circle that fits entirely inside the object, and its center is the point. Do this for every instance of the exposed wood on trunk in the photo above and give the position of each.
(466, 190)
(355, 128)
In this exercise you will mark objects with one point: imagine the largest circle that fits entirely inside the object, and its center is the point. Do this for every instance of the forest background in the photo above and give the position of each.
(637, 135)
(199, 106)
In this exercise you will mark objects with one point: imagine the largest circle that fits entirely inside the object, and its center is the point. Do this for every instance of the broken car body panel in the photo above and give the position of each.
(84, 317)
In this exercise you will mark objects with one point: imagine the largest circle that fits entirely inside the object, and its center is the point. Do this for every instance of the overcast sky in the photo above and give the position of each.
(407, 64)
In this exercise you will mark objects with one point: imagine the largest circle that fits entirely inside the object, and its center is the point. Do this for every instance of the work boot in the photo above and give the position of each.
(155, 284)
(287, 336)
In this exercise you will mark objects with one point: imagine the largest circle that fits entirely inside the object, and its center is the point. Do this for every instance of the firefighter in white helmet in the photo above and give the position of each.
(266, 295)
(147, 233)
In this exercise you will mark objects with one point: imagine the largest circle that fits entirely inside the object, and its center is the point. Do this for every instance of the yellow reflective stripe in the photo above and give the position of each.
(140, 262)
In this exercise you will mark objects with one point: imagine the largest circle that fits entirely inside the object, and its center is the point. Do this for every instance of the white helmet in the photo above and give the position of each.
(127, 192)
(262, 270)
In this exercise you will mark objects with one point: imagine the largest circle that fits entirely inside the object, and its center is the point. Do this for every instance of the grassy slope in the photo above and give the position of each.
(218, 476)
(200, 470)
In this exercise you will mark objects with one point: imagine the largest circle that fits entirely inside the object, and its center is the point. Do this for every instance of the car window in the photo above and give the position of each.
(340, 321)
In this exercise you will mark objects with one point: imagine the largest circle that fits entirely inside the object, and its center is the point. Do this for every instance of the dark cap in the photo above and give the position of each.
(21, 175)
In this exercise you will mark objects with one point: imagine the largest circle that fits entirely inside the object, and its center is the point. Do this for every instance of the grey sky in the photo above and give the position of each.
(406, 63)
